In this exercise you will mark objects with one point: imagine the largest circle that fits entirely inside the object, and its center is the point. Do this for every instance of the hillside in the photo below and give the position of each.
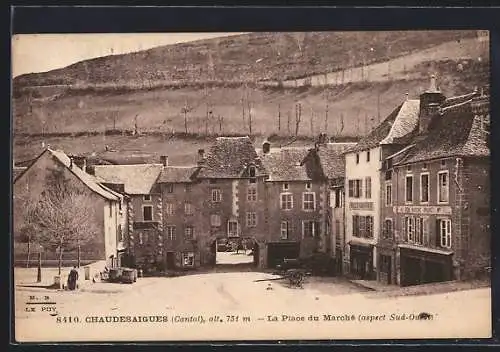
(243, 58)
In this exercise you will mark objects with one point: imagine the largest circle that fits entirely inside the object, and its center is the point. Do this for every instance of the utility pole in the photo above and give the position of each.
(366, 123)
(312, 122)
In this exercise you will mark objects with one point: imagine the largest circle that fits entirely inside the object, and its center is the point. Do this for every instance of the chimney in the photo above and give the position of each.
(70, 162)
(164, 160)
(266, 147)
(406, 96)
(430, 102)
(201, 155)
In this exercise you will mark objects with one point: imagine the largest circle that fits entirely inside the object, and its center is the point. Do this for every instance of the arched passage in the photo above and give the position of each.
(240, 252)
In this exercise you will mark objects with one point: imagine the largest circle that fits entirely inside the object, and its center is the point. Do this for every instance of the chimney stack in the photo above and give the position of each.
(266, 147)
(164, 160)
(430, 102)
(70, 162)
(201, 155)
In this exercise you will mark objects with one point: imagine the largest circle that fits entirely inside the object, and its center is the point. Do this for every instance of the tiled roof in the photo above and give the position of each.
(286, 164)
(378, 134)
(89, 180)
(332, 159)
(137, 179)
(177, 174)
(453, 132)
(404, 123)
(229, 157)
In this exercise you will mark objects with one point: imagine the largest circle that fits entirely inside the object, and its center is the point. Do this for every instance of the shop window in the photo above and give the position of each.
(188, 259)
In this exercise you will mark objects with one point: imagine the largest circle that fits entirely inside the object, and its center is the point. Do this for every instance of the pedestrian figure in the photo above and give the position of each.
(72, 278)
(240, 247)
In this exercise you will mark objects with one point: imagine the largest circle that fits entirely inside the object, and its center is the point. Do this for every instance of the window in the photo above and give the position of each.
(232, 228)
(424, 188)
(308, 185)
(216, 195)
(422, 231)
(444, 228)
(355, 188)
(284, 230)
(170, 233)
(368, 156)
(443, 163)
(169, 208)
(251, 171)
(189, 232)
(286, 202)
(146, 237)
(147, 213)
(410, 228)
(141, 239)
(308, 201)
(357, 158)
(187, 187)
(120, 233)
(409, 189)
(443, 187)
(170, 188)
(212, 181)
(110, 209)
(188, 259)
(251, 219)
(338, 198)
(368, 187)
(388, 229)
(188, 209)
(310, 228)
(388, 194)
(285, 186)
(215, 220)
(147, 197)
(252, 194)
(424, 166)
(362, 226)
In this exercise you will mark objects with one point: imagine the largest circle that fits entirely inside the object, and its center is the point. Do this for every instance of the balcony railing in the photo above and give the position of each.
(145, 225)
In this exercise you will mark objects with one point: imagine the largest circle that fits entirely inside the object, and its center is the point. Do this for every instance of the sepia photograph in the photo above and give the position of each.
(246, 186)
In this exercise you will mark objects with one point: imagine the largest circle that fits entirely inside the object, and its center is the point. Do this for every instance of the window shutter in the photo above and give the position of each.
(425, 230)
(351, 188)
(360, 191)
(437, 238)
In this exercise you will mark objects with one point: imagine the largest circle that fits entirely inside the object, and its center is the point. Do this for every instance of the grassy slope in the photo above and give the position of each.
(236, 58)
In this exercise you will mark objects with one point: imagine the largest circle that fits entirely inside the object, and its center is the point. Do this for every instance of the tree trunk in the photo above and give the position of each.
(29, 252)
(79, 256)
(60, 256)
(39, 271)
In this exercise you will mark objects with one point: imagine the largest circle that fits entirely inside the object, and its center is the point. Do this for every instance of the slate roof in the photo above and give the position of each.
(378, 134)
(229, 157)
(177, 174)
(89, 180)
(137, 179)
(453, 132)
(332, 159)
(286, 164)
(405, 122)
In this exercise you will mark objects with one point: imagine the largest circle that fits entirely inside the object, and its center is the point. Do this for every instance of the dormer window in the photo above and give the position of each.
(443, 162)
(308, 185)
(251, 171)
(147, 197)
(357, 158)
(424, 166)
(285, 186)
(368, 156)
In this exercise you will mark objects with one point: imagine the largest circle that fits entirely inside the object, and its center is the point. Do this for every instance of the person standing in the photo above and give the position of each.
(72, 279)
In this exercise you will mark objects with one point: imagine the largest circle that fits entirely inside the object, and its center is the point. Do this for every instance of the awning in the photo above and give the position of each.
(424, 249)
(361, 244)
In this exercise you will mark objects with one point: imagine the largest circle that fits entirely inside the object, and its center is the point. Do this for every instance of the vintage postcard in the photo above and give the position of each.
(251, 186)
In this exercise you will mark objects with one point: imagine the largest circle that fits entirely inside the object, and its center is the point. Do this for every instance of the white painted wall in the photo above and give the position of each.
(111, 221)
(360, 171)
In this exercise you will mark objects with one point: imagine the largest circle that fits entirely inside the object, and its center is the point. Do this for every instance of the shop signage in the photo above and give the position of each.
(429, 210)
(361, 205)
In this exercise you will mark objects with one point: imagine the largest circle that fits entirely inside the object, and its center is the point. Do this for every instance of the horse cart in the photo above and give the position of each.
(295, 277)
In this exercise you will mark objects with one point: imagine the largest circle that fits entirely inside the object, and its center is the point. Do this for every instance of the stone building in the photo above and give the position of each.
(363, 183)
(437, 212)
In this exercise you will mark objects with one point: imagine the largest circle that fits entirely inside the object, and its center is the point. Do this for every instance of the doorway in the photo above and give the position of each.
(170, 260)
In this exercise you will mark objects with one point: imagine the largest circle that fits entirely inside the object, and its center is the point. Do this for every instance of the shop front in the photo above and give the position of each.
(361, 261)
(421, 266)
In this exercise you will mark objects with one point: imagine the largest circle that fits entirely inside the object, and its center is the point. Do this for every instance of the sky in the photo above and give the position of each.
(45, 52)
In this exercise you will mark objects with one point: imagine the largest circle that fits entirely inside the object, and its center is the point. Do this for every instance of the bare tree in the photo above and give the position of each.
(185, 110)
(28, 232)
(66, 217)
(298, 117)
